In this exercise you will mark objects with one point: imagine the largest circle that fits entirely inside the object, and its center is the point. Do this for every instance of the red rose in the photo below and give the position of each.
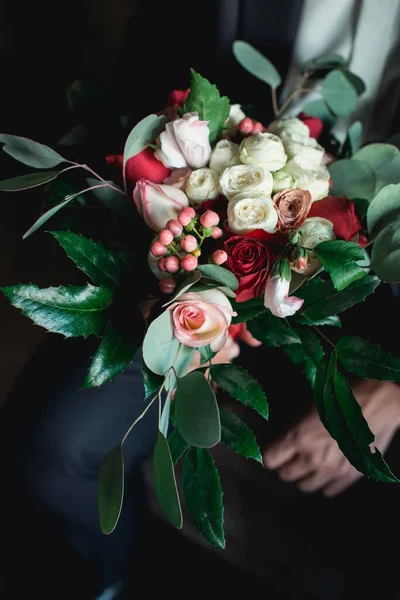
(341, 212)
(141, 165)
(177, 97)
(249, 259)
(314, 124)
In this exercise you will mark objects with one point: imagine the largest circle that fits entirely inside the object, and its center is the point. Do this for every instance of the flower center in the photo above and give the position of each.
(191, 318)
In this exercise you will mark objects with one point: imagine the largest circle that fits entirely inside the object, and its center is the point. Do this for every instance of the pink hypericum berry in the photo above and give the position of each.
(175, 227)
(245, 125)
(257, 127)
(188, 210)
(171, 264)
(161, 264)
(188, 243)
(219, 257)
(184, 219)
(158, 249)
(165, 237)
(209, 218)
(168, 285)
(189, 262)
(217, 233)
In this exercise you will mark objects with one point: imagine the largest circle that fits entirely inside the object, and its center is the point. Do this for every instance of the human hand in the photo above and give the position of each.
(308, 455)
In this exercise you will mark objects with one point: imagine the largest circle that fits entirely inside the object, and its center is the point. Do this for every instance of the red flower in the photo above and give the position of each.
(249, 259)
(314, 124)
(141, 165)
(341, 212)
(177, 98)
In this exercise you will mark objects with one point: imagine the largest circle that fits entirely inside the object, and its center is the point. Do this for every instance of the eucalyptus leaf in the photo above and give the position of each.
(384, 159)
(320, 109)
(160, 345)
(339, 93)
(367, 360)
(72, 311)
(326, 61)
(143, 134)
(220, 275)
(25, 182)
(383, 209)
(206, 354)
(30, 153)
(191, 280)
(165, 482)
(183, 360)
(255, 63)
(238, 436)
(111, 489)
(339, 260)
(354, 179)
(385, 257)
(356, 81)
(114, 201)
(354, 136)
(242, 386)
(177, 445)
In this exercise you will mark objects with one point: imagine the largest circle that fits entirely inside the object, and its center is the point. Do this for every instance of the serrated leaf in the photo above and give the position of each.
(72, 311)
(339, 260)
(203, 495)
(204, 98)
(152, 382)
(352, 179)
(111, 489)
(165, 482)
(383, 209)
(255, 63)
(239, 437)
(385, 256)
(384, 159)
(241, 385)
(103, 266)
(115, 352)
(313, 350)
(367, 360)
(160, 345)
(220, 275)
(248, 310)
(272, 331)
(177, 445)
(25, 182)
(339, 93)
(323, 380)
(30, 153)
(196, 411)
(206, 354)
(323, 300)
(143, 134)
(329, 321)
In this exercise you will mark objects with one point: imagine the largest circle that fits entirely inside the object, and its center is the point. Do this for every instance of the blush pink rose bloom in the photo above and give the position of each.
(277, 299)
(202, 318)
(158, 203)
(185, 143)
(178, 178)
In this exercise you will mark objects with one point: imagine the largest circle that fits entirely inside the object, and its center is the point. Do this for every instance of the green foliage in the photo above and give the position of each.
(160, 345)
(339, 93)
(272, 331)
(142, 135)
(241, 385)
(220, 275)
(339, 260)
(330, 321)
(112, 200)
(236, 435)
(248, 310)
(206, 354)
(177, 445)
(203, 495)
(385, 257)
(152, 382)
(354, 135)
(25, 182)
(72, 311)
(165, 483)
(320, 109)
(309, 353)
(354, 179)
(191, 280)
(383, 209)
(356, 81)
(367, 360)
(205, 99)
(111, 489)
(384, 159)
(255, 63)
(30, 153)
(326, 61)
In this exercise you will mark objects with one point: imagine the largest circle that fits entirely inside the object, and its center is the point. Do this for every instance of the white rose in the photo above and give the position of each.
(283, 181)
(235, 116)
(202, 185)
(313, 231)
(309, 177)
(185, 143)
(245, 178)
(265, 150)
(306, 147)
(247, 212)
(291, 126)
(224, 155)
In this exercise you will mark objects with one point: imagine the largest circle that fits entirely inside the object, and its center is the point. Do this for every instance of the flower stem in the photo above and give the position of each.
(106, 183)
(292, 96)
(138, 419)
(274, 102)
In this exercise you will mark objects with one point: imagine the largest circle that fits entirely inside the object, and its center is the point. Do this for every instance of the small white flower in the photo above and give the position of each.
(245, 178)
(283, 181)
(247, 212)
(291, 126)
(224, 155)
(202, 185)
(264, 150)
(309, 177)
(305, 147)
(313, 231)
(235, 116)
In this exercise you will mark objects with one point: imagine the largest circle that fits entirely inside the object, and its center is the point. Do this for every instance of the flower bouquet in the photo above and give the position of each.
(249, 228)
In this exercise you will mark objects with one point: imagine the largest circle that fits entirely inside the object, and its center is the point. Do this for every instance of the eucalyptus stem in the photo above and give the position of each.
(274, 102)
(113, 187)
(138, 419)
(292, 96)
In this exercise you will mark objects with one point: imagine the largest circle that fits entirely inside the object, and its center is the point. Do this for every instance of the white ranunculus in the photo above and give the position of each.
(245, 178)
(313, 231)
(291, 126)
(283, 181)
(185, 142)
(309, 177)
(202, 185)
(247, 212)
(305, 147)
(224, 155)
(235, 116)
(264, 150)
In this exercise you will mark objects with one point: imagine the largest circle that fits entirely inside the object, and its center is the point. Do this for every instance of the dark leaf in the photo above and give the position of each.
(177, 445)
(367, 360)
(339, 260)
(24, 182)
(152, 382)
(241, 385)
(29, 152)
(165, 483)
(272, 331)
(111, 489)
(248, 310)
(236, 435)
(206, 354)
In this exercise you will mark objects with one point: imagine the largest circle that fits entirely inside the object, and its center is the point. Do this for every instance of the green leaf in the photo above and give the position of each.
(248, 310)
(326, 61)
(385, 256)
(111, 489)
(272, 331)
(160, 345)
(204, 98)
(76, 136)
(143, 134)
(384, 159)
(152, 382)
(367, 360)
(71, 311)
(203, 495)
(255, 63)
(115, 202)
(324, 301)
(220, 275)
(103, 266)
(339, 93)
(236, 435)
(383, 209)
(196, 411)
(354, 135)
(165, 483)
(313, 352)
(339, 260)
(24, 182)
(182, 362)
(320, 109)
(206, 354)
(29, 152)
(191, 280)
(354, 179)
(324, 385)
(115, 352)
(241, 385)
(355, 81)
(330, 321)
(177, 445)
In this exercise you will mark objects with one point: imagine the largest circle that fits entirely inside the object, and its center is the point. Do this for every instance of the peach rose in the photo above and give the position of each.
(202, 318)
(293, 207)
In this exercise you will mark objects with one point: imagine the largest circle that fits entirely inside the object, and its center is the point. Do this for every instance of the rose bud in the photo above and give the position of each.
(143, 165)
(158, 204)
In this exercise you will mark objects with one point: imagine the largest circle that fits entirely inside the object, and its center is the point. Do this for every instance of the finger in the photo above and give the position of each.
(280, 452)
(337, 486)
(295, 469)
(315, 481)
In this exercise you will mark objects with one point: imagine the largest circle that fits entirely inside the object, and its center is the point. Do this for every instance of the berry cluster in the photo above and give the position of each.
(249, 127)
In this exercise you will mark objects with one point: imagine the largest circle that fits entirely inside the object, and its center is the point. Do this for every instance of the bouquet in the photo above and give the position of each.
(245, 227)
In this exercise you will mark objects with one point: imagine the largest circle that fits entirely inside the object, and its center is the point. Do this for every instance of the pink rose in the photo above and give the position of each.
(178, 178)
(277, 299)
(158, 203)
(202, 318)
(185, 142)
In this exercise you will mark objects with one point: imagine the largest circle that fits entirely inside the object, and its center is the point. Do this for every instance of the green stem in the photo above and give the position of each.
(137, 420)
(324, 337)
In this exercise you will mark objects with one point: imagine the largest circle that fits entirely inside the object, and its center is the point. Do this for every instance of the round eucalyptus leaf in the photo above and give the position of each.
(384, 160)
(383, 209)
(255, 63)
(339, 93)
(385, 258)
(354, 179)
(160, 345)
